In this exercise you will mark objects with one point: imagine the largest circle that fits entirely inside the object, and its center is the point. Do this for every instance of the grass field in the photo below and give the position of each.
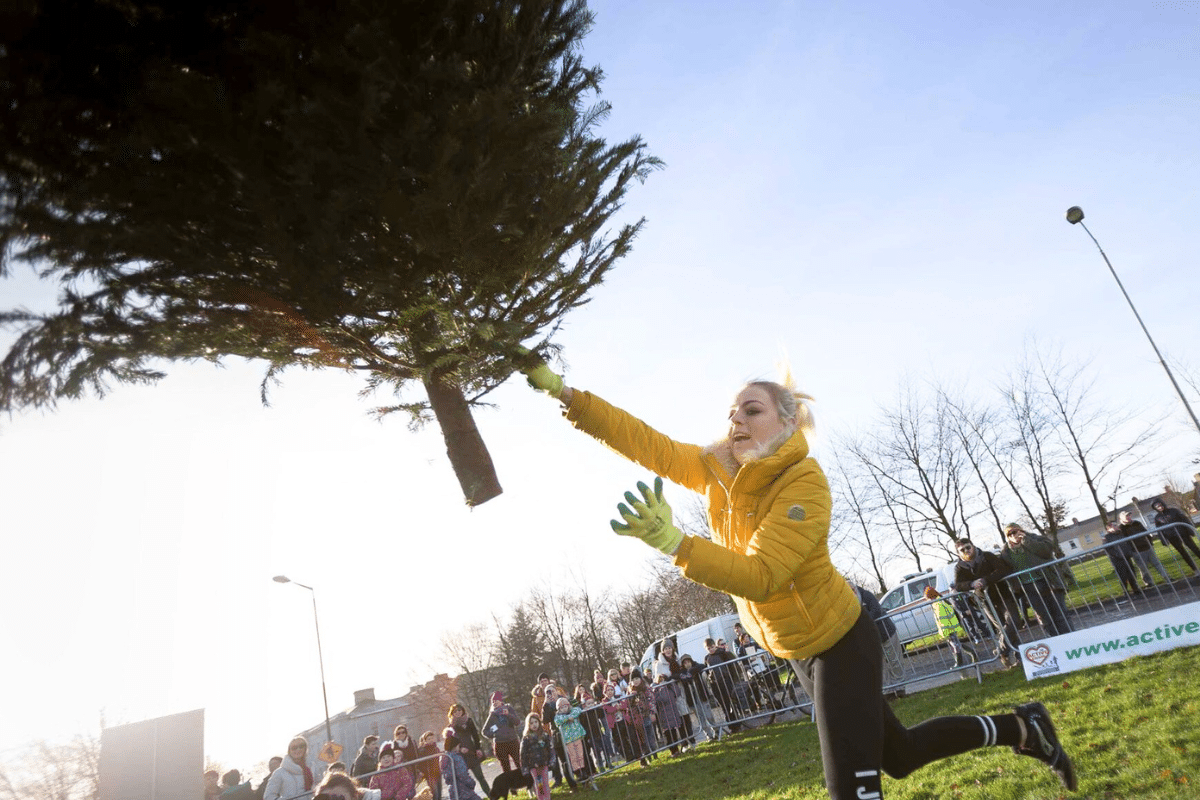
(1133, 730)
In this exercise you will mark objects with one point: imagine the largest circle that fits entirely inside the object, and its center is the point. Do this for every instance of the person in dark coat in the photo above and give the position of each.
(1143, 549)
(503, 727)
(1177, 530)
(465, 740)
(368, 755)
(1044, 588)
(983, 572)
(1120, 553)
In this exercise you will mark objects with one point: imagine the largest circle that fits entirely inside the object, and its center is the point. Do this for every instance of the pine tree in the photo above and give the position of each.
(403, 188)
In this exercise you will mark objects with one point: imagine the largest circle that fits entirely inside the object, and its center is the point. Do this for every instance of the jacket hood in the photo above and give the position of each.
(793, 450)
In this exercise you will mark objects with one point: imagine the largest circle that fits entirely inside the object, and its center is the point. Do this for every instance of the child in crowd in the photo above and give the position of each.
(393, 784)
(570, 729)
(593, 722)
(951, 629)
(666, 707)
(641, 715)
(536, 753)
(616, 712)
(455, 770)
(429, 767)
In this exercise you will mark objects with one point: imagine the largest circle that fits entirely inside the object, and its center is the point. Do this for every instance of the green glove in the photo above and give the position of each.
(650, 521)
(541, 377)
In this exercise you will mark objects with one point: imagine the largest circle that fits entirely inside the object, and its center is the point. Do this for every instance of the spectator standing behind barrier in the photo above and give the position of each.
(616, 714)
(293, 776)
(454, 767)
(892, 651)
(272, 765)
(1143, 548)
(549, 709)
(668, 665)
(572, 734)
(538, 694)
(1044, 587)
(983, 572)
(641, 705)
(691, 677)
(430, 768)
(597, 739)
(368, 756)
(1177, 530)
(503, 727)
(467, 742)
(1120, 555)
(721, 681)
(404, 749)
(951, 628)
(393, 784)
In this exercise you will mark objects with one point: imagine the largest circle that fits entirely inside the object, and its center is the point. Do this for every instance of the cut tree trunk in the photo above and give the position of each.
(468, 455)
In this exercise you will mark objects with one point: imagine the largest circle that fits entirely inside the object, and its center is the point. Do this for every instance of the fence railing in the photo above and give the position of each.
(980, 628)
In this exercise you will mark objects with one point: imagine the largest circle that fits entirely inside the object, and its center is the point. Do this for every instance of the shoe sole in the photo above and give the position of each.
(1065, 765)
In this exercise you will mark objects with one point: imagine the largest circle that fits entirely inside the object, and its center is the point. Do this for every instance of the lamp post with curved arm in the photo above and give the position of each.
(320, 657)
(1075, 217)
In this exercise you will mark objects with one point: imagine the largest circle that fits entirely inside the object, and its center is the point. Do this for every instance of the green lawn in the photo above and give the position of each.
(1133, 730)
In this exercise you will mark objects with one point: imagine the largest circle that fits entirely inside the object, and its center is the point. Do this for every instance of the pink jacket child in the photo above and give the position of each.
(393, 784)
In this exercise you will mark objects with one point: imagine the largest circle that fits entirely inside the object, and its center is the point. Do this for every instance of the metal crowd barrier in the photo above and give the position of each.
(1075, 592)
(745, 692)
(413, 766)
(1112, 582)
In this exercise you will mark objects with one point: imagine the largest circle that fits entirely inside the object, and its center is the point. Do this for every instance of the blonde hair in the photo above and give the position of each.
(791, 403)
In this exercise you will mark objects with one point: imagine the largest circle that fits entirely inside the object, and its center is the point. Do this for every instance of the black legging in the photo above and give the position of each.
(860, 734)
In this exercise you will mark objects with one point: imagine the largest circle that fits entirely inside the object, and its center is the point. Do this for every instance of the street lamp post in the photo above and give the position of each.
(1075, 217)
(320, 657)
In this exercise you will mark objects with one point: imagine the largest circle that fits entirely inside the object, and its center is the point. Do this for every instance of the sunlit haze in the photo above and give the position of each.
(877, 188)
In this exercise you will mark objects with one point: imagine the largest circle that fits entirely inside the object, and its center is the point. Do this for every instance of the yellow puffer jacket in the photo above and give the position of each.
(770, 522)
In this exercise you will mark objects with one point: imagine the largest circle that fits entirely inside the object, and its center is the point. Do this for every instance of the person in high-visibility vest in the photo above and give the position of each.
(951, 627)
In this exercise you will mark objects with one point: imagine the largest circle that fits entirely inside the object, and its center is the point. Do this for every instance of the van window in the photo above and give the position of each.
(916, 589)
(893, 599)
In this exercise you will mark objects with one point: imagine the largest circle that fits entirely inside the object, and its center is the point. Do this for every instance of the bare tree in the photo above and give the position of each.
(555, 616)
(636, 621)
(520, 651)
(595, 642)
(927, 491)
(1102, 441)
(857, 532)
(471, 651)
(50, 771)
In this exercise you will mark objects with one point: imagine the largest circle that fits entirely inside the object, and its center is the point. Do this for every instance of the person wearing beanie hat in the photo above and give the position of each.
(393, 781)
(951, 628)
(1177, 530)
(503, 727)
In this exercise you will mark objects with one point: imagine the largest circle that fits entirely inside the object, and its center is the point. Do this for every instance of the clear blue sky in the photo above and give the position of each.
(879, 188)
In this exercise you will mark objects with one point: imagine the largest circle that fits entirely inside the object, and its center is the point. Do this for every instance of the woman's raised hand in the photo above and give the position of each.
(649, 519)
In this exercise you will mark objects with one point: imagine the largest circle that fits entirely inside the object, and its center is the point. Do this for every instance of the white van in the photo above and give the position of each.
(917, 623)
(690, 641)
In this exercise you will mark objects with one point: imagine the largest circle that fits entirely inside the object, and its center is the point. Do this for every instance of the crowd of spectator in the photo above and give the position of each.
(570, 734)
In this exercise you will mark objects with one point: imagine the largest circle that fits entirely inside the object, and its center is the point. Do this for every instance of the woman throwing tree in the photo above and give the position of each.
(768, 505)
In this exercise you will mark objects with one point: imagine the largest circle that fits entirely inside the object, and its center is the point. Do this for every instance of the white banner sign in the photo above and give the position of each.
(1112, 642)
